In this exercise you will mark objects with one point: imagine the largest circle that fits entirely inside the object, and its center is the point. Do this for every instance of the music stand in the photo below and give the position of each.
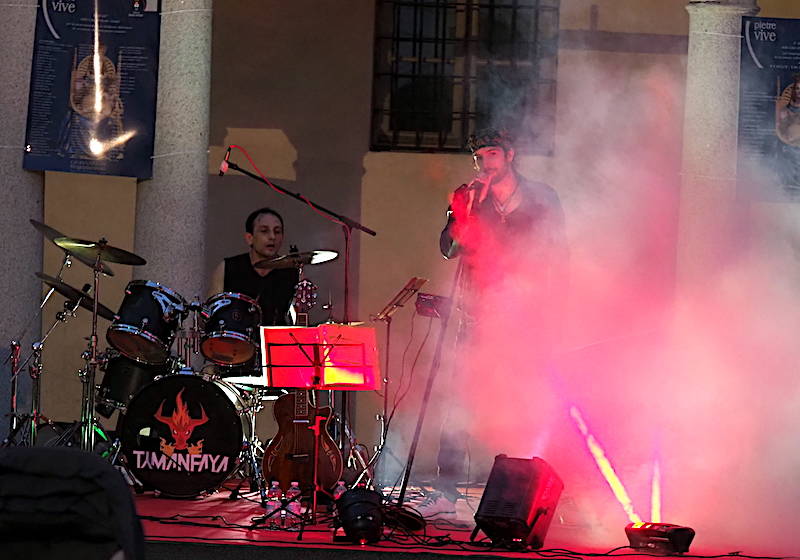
(329, 356)
(385, 315)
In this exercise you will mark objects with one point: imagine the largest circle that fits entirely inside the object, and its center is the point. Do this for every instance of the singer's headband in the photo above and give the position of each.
(490, 137)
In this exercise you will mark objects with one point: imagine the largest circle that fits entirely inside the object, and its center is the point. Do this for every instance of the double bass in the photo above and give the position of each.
(290, 454)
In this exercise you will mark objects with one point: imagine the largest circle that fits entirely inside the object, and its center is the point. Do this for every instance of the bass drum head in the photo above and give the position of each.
(182, 435)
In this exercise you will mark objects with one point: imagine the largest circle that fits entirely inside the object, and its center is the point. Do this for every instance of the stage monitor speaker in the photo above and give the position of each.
(519, 502)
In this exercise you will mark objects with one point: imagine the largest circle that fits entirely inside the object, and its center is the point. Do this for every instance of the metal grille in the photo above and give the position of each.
(445, 68)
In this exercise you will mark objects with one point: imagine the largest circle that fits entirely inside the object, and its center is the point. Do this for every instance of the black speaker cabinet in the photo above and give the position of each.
(519, 502)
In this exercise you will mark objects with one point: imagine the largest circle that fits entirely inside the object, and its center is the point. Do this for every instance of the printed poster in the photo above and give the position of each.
(92, 101)
(769, 109)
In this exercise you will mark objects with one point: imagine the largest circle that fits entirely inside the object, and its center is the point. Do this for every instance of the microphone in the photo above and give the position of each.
(223, 167)
(480, 180)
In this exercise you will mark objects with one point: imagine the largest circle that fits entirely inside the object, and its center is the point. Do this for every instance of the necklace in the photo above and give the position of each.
(503, 208)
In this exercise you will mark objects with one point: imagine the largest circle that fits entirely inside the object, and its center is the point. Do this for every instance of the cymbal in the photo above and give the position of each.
(53, 234)
(73, 294)
(295, 260)
(91, 249)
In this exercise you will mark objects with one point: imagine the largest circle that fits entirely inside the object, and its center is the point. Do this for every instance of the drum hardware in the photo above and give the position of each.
(99, 251)
(188, 341)
(15, 344)
(250, 468)
(29, 423)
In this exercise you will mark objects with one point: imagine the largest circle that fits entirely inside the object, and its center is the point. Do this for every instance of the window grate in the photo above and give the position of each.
(445, 68)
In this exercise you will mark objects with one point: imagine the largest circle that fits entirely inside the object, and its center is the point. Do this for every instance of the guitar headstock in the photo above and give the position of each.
(305, 296)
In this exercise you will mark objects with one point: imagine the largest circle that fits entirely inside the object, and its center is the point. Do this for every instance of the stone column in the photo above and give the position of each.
(20, 194)
(171, 208)
(708, 190)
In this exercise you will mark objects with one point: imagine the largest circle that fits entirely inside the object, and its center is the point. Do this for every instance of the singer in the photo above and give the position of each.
(509, 232)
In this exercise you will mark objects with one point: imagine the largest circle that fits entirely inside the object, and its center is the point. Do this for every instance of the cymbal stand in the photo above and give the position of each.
(16, 347)
(89, 372)
(14, 356)
(35, 368)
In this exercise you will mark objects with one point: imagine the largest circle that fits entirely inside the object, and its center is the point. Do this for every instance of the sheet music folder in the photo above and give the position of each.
(328, 356)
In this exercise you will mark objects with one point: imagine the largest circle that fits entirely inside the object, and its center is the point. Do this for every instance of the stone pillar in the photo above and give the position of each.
(171, 208)
(708, 191)
(20, 194)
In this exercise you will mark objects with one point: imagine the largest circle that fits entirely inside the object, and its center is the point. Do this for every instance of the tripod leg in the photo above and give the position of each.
(22, 426)
(256, 475)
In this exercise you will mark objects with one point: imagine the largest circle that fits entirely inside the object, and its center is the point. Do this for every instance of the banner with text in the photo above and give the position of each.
(92, 103)
(769, 109)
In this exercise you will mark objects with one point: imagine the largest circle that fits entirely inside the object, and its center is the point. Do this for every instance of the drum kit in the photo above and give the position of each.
(181, 431)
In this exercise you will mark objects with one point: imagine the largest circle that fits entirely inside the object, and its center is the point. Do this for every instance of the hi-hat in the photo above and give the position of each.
(92, 249)
(53, 234)
(295, 260)
(74, 294)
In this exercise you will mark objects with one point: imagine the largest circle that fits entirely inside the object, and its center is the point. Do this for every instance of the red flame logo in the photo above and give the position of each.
(180, 423)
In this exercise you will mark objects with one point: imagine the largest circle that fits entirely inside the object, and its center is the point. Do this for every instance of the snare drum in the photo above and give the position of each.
(147, 321)
(182, 435)
(230, 332)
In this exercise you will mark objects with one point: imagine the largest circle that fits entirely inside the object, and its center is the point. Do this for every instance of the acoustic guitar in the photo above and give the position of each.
(290, 454)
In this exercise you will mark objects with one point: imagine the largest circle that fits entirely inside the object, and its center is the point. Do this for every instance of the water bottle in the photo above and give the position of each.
(337, 493)
(339, 490)
(274, 495)
(294, 508)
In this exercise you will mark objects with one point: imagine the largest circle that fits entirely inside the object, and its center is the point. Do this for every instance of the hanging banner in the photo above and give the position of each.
(769, 109)
(92, 101)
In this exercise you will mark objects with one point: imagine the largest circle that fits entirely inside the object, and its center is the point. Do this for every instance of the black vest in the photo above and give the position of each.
(274, 292)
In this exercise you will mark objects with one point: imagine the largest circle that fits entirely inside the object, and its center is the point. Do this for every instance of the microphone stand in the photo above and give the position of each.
(437, 360)
(348, 224)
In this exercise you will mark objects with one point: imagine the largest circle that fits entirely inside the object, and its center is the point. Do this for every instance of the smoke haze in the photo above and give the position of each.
(701, 378)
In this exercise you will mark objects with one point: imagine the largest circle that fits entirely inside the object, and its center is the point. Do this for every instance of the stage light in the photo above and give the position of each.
(660, 538)
(519, 502)
(360, 515)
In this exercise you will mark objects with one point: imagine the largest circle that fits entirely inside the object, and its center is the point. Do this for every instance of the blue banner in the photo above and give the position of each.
(769, 109)
(92, 101)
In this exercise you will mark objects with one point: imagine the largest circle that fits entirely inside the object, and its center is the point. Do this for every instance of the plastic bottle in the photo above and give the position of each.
(294, 507)
(274, 495)
(339, 490)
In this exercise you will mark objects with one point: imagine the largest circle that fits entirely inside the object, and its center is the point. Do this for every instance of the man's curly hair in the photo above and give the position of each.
(490, 137)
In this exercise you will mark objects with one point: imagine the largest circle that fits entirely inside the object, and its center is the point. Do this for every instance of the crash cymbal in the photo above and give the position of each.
(91, 249)
(73, 294)
(295, 260)
(53, 234)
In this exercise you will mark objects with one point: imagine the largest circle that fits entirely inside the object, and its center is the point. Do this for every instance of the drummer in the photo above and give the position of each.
(272, 288)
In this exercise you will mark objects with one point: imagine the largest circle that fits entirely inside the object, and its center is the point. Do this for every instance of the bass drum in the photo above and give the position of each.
(182, 435)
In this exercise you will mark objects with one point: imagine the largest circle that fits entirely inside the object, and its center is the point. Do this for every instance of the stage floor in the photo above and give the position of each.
(218, 522)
